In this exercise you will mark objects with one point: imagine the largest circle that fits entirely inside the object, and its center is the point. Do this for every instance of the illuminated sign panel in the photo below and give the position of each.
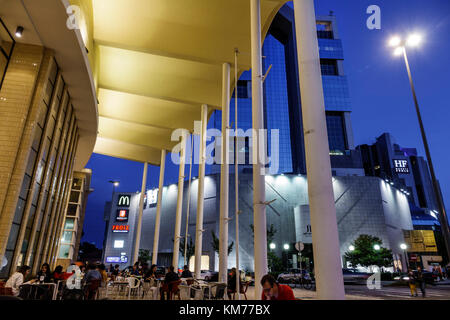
(121, 259)
(152, 196)
(401, 166)
(120, 228)
(123, 200)
(122, 215)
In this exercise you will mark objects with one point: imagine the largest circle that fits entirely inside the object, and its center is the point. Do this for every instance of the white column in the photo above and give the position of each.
(158, 207)
(259, 194)
(325, 238)
(137, 240)
(224, 175)
(200, 194)
(176, 238)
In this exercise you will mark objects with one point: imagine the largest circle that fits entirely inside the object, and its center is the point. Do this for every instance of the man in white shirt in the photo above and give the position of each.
(17, 279)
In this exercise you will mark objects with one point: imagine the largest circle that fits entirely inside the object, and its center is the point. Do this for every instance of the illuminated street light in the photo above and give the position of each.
(272, 246)
(351, 248)
(400, 45)
(286, 246)
(403, 246)
(377, 247)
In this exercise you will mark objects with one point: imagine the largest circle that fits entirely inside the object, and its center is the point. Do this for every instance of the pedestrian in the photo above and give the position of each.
(272, 290)
(412, 283)
(420, 279)
(186, 272)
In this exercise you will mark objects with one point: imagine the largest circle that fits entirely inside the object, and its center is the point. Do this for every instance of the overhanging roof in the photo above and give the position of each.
(159, 61)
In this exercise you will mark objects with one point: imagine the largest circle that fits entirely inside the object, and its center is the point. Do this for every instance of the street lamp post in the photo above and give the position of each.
(400, 46)
(115, 184)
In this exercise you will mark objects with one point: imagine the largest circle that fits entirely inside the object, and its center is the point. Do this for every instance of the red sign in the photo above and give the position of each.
(120, 228)
(413, 257)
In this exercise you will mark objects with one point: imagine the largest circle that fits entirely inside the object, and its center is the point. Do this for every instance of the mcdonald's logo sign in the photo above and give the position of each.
(123, 200)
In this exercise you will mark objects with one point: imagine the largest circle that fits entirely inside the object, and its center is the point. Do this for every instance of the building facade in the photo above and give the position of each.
(365, 205)
(46, 131)
(405, 169)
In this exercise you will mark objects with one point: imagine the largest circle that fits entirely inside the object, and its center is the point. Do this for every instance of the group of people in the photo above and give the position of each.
(22, 276)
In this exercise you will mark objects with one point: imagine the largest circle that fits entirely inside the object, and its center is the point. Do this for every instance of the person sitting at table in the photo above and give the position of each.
(231, 287)
(135, 271)
(186, 272)
(58, 274)
(169, 279)
(115, 273)
(272, 290)
(44, 275)
(102, 269)
(17, 279)
(150, 273)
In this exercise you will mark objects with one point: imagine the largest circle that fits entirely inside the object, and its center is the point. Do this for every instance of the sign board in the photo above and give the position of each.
(401, 166)
(123, 200)
(120, 228)
(122, 215)
(121, 259)
(152, 197)
(299, 246)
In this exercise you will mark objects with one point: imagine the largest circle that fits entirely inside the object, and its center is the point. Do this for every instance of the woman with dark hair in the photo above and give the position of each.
(44, 275)
(58, 274)
(17, 279)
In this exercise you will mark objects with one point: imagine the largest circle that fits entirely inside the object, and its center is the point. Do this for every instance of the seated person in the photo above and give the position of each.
(17, 279)
(272, 290)
(135, 271)
(44, 275)
(231, 287)
(170, 277)
(58, 274)
(186, 273)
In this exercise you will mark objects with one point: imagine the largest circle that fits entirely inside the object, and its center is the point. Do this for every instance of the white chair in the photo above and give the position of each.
(134, 284)
(185, 292)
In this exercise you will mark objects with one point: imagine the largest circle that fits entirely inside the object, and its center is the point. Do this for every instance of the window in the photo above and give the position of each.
(69, 224)
(336, 133)
(118, 243)
(64, 251)
(329, 67)
(67, 237)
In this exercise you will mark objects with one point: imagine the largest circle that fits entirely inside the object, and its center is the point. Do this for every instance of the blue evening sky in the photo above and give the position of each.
(379, 89)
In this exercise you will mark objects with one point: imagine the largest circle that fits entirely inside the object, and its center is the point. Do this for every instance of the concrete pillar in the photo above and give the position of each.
(137, 240)
(158, 207)
(325, 238)
(224, 175)
(259, 194)
(176, 239)
(200, 194)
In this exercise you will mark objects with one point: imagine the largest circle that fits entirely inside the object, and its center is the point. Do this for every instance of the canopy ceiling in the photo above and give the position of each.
(158, 61)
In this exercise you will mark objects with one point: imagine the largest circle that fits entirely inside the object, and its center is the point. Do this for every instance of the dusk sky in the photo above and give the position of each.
(379, 89)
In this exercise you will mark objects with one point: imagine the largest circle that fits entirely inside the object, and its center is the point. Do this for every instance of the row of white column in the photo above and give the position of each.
(329, 280)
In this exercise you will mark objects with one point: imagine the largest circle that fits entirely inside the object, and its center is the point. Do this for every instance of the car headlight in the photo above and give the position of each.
(397, 278)
(405, 278)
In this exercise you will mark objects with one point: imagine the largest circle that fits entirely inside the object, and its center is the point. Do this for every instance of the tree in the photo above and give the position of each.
(274, 263)
(89, 252)
(270, 233)
(365, 255)
(144, 255)
(190, 248)
(216, 244)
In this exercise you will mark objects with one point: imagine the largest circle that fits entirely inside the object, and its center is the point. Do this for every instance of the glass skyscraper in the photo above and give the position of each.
(282, 101)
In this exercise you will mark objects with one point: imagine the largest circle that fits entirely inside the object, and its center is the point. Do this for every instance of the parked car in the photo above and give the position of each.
(209, 275)
(354, 276)
(429, 277)
(292, 276)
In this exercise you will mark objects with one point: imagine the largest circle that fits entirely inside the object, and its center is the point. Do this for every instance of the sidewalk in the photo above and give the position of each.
(310, 295)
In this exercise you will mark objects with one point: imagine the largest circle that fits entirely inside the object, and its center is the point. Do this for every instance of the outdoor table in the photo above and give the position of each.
(35, 286)
(203, 285)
